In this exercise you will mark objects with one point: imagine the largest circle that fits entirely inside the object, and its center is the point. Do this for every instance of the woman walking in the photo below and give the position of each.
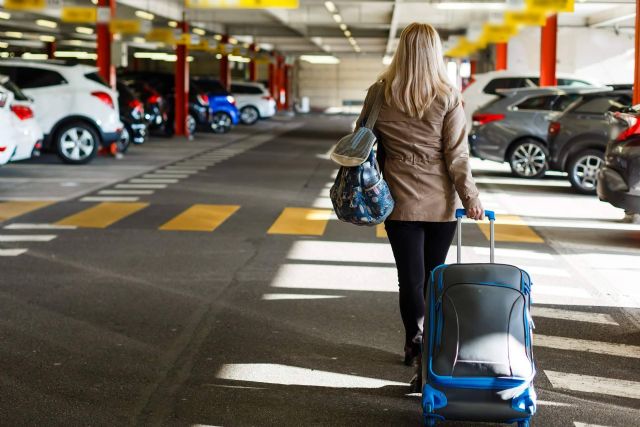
(424, 156)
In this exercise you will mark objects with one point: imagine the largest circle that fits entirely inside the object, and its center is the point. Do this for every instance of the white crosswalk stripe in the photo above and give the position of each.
(21, 226)
(126, 192)
(12, 252)
(599, 347)
(593, 385)
(165, 176)
(142, 186)
(109, 199)
(573, 315)
(153, 181)
(5, 238)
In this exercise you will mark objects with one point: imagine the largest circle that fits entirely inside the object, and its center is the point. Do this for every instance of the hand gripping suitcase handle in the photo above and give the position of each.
(460, 213)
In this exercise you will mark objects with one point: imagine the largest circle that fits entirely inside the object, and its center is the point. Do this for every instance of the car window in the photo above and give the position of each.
(602, 105)
(95, 77)
(212, 86)
(504, 83)
(33, 78)
(18, 94)
(561, 103)
(537, 103)
(572, 82)
(246, 90)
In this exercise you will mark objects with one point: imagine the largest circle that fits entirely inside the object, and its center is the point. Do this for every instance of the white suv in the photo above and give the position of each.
(485, 86)
(253, 101)
(8, 134)
(75, 108)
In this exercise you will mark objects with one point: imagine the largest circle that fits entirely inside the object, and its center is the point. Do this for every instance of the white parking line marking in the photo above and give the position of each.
(279, 297)
(27, 238)
(535, 270)
(142, 186)
(513, 253)
(153, 181)
(594, 385)
(20, 226)
(588, 346)
(560, 291)
(577, 424)
(576, 316)
(126, 192)
(165, 176)
(175, 172)
(338, 277)
(185, 167)
(109, 199)
(12, 252)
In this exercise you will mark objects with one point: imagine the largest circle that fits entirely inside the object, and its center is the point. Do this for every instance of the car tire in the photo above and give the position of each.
(77, 142)
(249, 115)
(583, 170)
(125, 140)
(528, 158)
(192, 124)
(220, 122)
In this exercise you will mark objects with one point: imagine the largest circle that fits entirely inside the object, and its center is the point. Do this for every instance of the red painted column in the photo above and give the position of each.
(51, 50)
(474, 68)
(253, 67)
(548, 52)
(280, 89)
(225, 69)
(501, 56)
(104, 38)
(272, 80)
(287, 86)
(182, 86)
(636, 79)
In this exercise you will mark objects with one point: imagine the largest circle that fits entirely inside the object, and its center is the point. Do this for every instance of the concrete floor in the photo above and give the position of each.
(117, 316)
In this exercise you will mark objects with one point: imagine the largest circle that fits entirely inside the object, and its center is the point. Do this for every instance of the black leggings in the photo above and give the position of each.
(418, 248)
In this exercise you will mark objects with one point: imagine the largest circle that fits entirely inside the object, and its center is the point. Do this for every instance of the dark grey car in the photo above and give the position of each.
(513, 128)
(578, 138)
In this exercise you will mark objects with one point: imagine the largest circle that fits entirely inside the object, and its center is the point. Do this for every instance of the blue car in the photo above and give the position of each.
(224, 113)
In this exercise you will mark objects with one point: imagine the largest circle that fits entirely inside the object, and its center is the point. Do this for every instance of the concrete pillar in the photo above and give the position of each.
(104, 39)
(548, 49)
(182, 86)
(501, 56)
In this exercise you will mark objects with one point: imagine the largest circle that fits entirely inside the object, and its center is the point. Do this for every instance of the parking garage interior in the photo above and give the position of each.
(169, 250)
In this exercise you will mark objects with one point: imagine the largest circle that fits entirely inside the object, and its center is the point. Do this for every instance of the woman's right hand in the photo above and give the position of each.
(476, 212)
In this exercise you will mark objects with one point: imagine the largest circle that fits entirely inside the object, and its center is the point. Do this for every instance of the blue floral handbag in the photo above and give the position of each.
(360, 195)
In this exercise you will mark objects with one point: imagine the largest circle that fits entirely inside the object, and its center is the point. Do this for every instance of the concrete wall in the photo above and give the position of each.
(598, 54)
(331, 86)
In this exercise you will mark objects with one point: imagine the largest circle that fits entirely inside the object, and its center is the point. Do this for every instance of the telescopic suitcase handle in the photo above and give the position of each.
(460, 213)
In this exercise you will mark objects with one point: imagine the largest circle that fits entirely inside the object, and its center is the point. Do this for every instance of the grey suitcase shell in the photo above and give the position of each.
(477, 362)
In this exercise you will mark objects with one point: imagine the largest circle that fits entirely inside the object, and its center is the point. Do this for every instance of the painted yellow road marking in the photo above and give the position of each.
(301, 221)
(9, 210)
(511, 228)
(102, 215)
(381, 232)
(201, 218)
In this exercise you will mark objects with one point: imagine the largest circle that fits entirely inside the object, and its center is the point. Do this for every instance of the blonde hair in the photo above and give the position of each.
(417, 75)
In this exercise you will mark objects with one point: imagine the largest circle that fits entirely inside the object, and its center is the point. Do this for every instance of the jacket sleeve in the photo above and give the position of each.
(456, 155)
(366, 106)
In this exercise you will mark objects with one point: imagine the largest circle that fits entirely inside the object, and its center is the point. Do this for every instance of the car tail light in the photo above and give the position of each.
(268, 98)
(203, 99)
(154, 99)
(104, 97)
(481, 119)
(554, 128)
(633, 129)
(138, 109)
(231, 100)
(22, 111)
(3, 149)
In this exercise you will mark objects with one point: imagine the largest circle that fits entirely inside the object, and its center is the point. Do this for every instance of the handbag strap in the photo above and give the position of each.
(377, 106)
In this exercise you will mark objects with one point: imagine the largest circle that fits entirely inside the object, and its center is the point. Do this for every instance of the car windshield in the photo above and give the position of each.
(18, 94)
(212, 86)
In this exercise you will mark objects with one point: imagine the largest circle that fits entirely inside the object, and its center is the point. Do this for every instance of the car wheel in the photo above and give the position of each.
(125, 140)
(192, 124)
(528, 159)
(249, 115)
(583, 170)
(77, 143)
(220, 122)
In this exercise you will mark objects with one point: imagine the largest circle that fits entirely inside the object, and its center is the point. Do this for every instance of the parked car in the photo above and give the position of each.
(485, 86)
(75, 108)
(224, 113)
(578, 138)
(8, 135)
(513, 127)
(619, 178)
(28, 134)
(198, 116)
(132, 115)
(254, 102)
(155, 106)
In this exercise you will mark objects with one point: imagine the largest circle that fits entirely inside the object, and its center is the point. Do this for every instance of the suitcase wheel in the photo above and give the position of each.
(429, 422)
(523, 423)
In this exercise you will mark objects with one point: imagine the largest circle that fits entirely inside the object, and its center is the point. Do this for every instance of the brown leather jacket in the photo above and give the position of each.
(426, 160)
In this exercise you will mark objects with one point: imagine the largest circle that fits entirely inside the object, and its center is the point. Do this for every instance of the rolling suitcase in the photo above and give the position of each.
(477, 360)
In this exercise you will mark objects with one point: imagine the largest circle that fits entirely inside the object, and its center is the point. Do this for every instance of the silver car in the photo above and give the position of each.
(513, 128)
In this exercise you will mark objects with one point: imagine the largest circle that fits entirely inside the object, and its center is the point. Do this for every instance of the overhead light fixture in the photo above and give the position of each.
(217, 37)
(347, 33)
(357, 49)
(46, 23)
(76, 55)
(47, 39)
(236, 58)
(199, 31)
(94, 2)
(337, 18)
(470, 6)
(145, 15)
(173, 24)
(232, 40)
(5, 15)
(35, 56)
(13, 34)
(84, 30)
(331, 7)
(352, 40)
(320, 59)
(4, 45)
(139, 40)
(218, 56)
(343, 27)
